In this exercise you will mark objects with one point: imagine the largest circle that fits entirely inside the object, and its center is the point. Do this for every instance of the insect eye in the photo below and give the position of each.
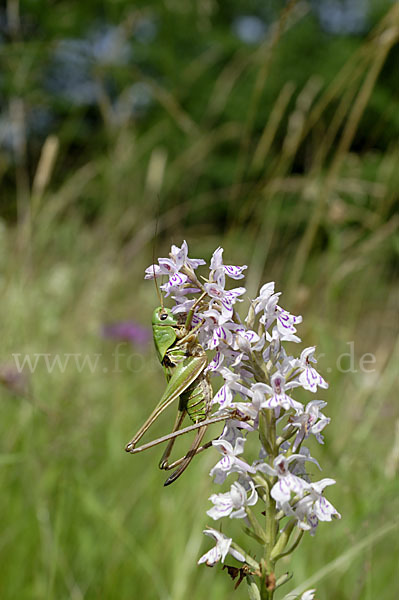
(163, 316)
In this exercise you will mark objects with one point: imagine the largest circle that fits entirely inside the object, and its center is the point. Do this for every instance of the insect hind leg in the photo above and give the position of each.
(182, 463)
(163, 463)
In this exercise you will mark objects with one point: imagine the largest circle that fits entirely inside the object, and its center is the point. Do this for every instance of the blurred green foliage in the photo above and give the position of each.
(76, 66)
(284, 151)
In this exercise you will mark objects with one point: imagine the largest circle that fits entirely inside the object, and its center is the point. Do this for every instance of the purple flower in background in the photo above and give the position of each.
(15, 380)
(127, 330)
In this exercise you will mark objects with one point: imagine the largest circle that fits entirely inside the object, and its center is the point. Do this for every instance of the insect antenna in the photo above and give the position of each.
(158, 290)
(160, 297)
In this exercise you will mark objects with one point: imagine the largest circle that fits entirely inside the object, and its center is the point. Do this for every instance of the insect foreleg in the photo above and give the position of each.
(191, 312)
(190, 335)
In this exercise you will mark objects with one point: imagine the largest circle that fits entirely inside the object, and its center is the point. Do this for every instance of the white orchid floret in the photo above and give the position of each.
(212, 318)
(265, 293)
(275, 395)
(323, 509)
(216, 363)
(231, 432)
(224, 316)
(225, 298)
(226, 358)
(273, 350)
(234, 335)
(180, 256)
(175, 285)
(258, 391)
(165, 266)
(180, 293)
(270, 311)
(220, 270)
(279, 337)
(183, 305)
(245, 339)
(298, 467)
(307, 356)
(223, 334)
(260, 344)
(230, 463)
(311, 421)
(308, 595)
(232, 504)
(288, 484)
(249, 414)
(171, 266)
(314, 507)
(285, 322)
(211, 321)
(221, 550)
(231, 387)
(224, 397)
(300, 371)
(310, 379)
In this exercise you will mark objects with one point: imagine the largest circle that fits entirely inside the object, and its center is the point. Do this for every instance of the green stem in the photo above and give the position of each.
(271, 526)
(267, 564)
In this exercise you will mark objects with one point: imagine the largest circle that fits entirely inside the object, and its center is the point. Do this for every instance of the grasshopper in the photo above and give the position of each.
(184, 362)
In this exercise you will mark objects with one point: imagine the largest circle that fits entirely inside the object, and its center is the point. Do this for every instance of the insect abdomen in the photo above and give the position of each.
(196, 399)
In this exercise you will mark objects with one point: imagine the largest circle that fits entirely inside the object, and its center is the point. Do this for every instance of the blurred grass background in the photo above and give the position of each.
(269, 128)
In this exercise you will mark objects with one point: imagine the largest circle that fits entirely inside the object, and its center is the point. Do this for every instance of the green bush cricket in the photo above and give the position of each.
(184, 362)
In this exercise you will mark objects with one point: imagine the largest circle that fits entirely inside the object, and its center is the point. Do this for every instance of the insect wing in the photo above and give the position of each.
(184, 374)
